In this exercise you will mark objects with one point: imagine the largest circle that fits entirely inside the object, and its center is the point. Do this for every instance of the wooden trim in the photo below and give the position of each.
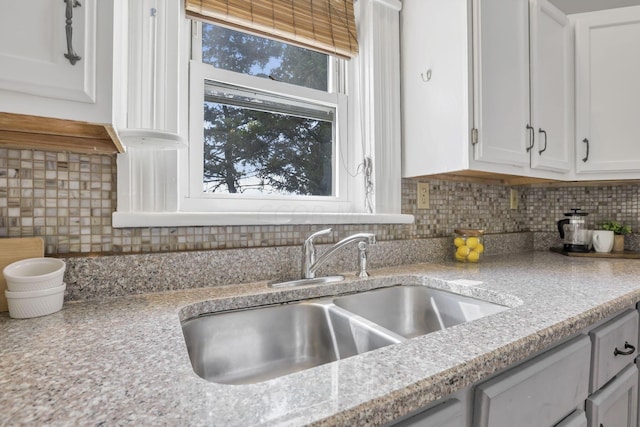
(479, 177)
(44, 133)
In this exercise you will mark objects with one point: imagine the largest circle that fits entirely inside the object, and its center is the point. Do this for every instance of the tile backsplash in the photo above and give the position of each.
(68, 199)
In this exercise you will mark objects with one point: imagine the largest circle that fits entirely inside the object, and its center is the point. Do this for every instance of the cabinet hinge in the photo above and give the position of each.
(474, 136)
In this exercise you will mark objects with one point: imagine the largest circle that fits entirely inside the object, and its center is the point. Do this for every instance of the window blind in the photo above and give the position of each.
(326, 26)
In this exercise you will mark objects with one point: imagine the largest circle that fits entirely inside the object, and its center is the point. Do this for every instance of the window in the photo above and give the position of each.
(268, 123)
(266, 134)
(260, 143)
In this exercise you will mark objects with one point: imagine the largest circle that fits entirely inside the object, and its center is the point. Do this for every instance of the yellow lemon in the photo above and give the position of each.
(474, 256)
(458, 241)
(463, 251)
(479, 248)
(472, 242)
(461, 258)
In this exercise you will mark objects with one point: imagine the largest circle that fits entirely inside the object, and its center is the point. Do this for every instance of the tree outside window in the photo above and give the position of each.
(252, 146)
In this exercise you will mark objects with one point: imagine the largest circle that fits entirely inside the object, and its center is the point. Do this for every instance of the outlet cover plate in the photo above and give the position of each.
(513, 199)
(423, 195)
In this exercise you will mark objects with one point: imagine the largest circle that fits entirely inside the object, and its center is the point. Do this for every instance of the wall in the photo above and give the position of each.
(68, 198)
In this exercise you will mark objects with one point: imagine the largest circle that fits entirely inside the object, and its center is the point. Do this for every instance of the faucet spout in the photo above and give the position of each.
(310, 270)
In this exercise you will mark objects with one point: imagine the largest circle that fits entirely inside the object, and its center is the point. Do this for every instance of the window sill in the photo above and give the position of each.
(187, 219)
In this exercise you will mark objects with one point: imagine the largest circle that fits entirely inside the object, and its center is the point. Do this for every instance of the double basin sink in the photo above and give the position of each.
(253, 345)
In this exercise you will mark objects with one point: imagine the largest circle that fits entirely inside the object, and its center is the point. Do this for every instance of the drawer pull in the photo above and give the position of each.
(631, 350)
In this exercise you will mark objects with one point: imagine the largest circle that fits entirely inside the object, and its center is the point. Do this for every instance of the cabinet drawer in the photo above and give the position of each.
(540, 392)
(614, 347)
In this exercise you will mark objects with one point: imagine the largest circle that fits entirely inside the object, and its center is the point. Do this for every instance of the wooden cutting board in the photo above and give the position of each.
(14, 249)
(623, 254)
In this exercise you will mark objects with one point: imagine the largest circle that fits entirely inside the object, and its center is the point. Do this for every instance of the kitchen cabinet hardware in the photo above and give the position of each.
(70, 55)
(586, 141)
(426, 76)
(630, 350)
(532, 137)
(544, 132)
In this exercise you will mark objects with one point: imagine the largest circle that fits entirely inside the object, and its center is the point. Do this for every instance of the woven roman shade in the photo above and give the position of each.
(326, 26)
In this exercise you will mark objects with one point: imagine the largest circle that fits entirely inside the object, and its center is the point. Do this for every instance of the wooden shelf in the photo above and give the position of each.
(49, 134)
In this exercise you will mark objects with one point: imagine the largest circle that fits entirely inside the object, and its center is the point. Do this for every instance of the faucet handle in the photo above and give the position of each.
(311, 238)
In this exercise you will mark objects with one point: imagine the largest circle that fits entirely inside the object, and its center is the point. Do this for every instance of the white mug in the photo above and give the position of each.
(602, 240)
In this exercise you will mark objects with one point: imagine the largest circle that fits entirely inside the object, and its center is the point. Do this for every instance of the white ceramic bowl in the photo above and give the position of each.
(33, 274)
(23, 305)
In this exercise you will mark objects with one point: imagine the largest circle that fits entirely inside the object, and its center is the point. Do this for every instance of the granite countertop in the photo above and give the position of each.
(123, 361)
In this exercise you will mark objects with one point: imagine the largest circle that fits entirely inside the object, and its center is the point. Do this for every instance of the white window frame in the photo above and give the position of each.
(155, 174)
(343, 164)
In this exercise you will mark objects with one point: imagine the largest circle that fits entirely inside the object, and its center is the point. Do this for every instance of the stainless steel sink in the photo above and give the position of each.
(411, 311)
(254, 345)
(249, 346)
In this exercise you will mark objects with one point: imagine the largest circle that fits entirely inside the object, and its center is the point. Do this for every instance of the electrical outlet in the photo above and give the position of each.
(423, 195)
(513, 199)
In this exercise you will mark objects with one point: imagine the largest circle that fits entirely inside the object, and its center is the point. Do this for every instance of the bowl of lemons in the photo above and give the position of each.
(468, 246)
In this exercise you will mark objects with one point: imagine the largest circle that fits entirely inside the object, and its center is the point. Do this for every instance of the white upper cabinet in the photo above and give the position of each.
(552, 103)
(436, 84)
(56, 59)
(471, 99)
(501, 97)
(608, 93)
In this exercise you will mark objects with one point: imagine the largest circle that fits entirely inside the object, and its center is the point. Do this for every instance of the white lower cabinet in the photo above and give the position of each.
(540, 392)
(616, 404)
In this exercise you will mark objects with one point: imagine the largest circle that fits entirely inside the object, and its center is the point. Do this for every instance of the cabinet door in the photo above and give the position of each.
(33, 42)
(616, 404)
(541, 392)
(608, 90)
(435, 86)
(501, 90)
(35, 76)
(551, 38)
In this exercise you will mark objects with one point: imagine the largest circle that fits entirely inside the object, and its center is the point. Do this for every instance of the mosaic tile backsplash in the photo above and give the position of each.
(68, 199)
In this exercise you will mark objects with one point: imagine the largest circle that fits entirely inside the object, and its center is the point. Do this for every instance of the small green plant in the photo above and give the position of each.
(616, 227)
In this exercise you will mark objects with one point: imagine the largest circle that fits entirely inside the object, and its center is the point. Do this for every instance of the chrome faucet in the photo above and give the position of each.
(309, 263)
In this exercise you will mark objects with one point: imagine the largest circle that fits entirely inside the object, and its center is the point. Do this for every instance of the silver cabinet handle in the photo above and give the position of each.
(532, 137)
(586, 141)
(544, 132)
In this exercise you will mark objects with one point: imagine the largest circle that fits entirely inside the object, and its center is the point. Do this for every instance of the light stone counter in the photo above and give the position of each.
(123, 361)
